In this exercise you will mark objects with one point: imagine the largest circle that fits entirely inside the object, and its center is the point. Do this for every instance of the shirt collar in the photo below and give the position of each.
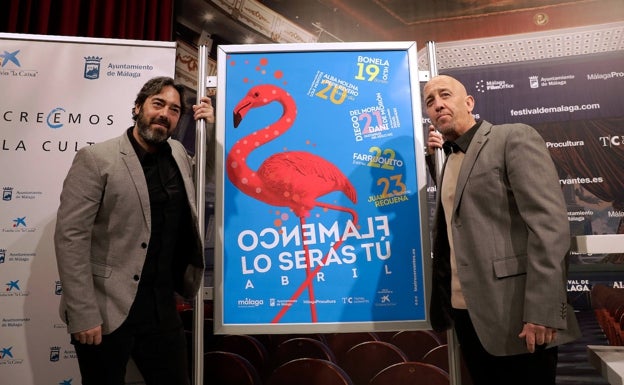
(140, 151)
(462, 143)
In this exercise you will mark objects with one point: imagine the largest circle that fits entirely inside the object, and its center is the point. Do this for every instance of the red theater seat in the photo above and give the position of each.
(415, 343)
(301, 347)
(363, 361)
(309, 371)
(411, 373)
(226, 368)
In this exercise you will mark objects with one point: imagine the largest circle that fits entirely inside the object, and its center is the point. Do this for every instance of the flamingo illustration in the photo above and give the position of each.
(293, 179)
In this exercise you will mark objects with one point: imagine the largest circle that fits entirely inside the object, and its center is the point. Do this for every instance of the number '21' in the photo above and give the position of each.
(367, 125)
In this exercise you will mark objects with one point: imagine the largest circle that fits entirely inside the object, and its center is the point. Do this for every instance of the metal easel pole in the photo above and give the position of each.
(453, 346)
(200, 197)
(433, 71)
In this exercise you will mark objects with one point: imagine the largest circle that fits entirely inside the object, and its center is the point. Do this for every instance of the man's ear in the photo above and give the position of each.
(470, 103)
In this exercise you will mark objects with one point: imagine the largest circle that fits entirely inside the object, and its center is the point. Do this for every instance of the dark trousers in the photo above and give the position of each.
(159, 354)
(539, 368)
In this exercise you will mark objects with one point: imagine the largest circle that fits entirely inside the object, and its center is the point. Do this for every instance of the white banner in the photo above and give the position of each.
(58, 95)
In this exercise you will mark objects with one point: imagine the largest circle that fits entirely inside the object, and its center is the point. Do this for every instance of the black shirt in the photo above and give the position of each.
(155, 300)
(462, 143)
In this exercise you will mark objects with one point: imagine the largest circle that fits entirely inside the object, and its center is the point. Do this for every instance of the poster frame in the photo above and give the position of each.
(224, 53)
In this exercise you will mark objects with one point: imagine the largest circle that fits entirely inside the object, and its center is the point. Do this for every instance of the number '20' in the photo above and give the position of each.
(332, 94)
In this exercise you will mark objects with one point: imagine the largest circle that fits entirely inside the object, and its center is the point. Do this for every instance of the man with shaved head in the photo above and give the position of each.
(500, 243)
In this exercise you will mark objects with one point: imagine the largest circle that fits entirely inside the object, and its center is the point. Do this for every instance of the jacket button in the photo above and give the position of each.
(143, 245)
(136, 277)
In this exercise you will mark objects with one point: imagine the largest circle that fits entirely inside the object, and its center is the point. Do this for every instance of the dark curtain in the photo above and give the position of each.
(119, 19)
(594, 158)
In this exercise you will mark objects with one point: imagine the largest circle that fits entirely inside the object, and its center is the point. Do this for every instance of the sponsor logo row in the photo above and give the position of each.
(383, 298)
(11, 66)
(537, 81)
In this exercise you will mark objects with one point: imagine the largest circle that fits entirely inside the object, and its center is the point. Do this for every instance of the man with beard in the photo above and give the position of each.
(127, 240)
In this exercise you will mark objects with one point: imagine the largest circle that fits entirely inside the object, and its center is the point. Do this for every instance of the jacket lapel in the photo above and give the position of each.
(137, 175)
(477, 143)
(184, 165)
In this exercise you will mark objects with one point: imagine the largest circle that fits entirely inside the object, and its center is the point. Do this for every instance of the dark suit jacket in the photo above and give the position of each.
(102, 232)
(511, 235)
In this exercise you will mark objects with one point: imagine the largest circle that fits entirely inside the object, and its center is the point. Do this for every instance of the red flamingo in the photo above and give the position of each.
(293, 179)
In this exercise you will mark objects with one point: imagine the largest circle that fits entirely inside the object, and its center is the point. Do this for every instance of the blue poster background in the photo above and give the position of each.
(354, 110)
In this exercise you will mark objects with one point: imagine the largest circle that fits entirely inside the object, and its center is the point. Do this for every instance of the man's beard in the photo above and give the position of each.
(152, 136)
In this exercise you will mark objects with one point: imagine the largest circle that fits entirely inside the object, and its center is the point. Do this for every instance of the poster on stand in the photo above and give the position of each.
(322, 220)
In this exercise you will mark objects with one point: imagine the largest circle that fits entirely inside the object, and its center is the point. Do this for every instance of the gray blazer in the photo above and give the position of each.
(511, 235)
(102, 232)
